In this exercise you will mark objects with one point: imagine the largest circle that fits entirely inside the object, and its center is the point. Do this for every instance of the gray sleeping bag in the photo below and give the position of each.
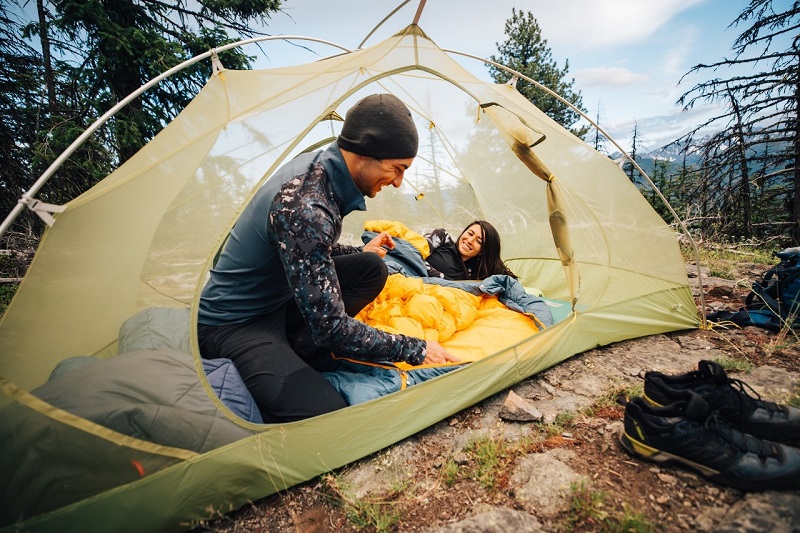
(153, 395)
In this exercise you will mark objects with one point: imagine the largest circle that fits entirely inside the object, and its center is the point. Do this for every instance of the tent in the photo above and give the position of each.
(572, 226)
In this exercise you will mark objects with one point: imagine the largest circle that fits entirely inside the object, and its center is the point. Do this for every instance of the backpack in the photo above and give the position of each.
(774, 301)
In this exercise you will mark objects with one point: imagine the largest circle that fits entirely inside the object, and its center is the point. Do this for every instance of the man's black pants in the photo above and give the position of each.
(275, 355)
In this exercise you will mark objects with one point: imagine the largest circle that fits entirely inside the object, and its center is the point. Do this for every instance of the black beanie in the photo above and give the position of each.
(379, 126)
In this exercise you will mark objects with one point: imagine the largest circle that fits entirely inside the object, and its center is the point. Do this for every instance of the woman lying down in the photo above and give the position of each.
(456, 292)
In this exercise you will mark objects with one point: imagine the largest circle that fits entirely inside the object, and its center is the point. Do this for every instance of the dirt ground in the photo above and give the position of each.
(436, 484)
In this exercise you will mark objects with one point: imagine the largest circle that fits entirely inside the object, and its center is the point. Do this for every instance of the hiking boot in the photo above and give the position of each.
(728, 396)
(688, 433)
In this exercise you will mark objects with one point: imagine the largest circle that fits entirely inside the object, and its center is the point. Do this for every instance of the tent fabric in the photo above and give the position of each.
(146, 236)
(154, 328)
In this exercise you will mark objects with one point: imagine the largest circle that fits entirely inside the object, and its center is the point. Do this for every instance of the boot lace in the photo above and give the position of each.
(742, 441)
(750, 402)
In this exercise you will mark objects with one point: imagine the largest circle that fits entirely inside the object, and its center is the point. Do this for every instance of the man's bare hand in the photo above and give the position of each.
(436, 355)
(380, 243)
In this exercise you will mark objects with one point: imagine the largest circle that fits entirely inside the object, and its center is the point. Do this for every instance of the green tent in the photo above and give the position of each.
(572, 226)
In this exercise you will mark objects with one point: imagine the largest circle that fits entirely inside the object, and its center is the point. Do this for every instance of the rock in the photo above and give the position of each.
(315, 519)
(775, 512)
(722, 291)
(460, 458)
(549, 388)
(463, 439)
(691, 271)
(666, 478)
(695, 344)
(544, 482)
(500, 519)
(770, 382)
(703, 523)
(518, 409)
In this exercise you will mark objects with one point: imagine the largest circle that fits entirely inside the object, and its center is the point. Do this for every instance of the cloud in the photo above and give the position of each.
(659, 130)
(610, 22)
(607, 77)
(682, 47)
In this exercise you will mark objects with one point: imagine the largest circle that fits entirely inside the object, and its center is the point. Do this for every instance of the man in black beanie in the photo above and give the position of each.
(284, 292)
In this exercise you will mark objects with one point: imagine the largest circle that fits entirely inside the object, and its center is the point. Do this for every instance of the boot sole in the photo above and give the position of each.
(648, 453)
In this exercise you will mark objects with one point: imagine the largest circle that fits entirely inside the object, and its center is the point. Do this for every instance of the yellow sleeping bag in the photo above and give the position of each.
(398, 229)
(468, 326)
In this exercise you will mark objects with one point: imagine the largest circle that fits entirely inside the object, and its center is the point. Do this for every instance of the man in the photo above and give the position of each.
(283, 292)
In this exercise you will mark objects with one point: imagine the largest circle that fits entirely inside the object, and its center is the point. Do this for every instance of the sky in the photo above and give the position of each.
(627, 56)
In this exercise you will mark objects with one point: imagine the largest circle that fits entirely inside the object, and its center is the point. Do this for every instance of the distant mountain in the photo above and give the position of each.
(675, 159)
(671, 154)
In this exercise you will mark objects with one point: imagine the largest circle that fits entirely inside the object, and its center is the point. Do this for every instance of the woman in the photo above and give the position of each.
(474, 255)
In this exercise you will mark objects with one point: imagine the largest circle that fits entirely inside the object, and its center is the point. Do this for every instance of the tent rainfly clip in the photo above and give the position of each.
(43, 209)
(216, 64)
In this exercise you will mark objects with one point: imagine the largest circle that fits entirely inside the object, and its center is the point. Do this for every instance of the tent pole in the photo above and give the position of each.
(55, 165)
(618, 147)
(387, 17)
(418, 14)
(27, 197)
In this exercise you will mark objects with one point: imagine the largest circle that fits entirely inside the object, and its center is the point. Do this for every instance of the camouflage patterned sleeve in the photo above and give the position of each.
(304, 225)
(438, 237)
(344, 249)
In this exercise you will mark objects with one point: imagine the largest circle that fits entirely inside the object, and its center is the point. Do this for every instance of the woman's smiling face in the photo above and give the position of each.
(470, 242)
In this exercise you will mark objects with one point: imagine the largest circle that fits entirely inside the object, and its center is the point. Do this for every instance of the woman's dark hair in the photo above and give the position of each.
(489, 261)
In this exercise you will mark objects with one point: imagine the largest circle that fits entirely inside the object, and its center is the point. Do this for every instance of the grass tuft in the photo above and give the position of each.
(364, 513)
(588, 511)
(735, 365)
(489, 458)
(608, 405)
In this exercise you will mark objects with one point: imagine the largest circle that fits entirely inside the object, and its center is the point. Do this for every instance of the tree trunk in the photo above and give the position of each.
(631, 168)
(744, 172)
(795, 214)
(124, 77)
(49, 78)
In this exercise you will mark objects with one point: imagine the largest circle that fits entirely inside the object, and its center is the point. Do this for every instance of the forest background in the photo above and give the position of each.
(733, 179)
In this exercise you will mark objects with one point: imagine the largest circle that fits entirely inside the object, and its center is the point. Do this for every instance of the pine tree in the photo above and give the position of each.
(125, 43)
(599, 140)
(628, 167)
(76, 59)
(760, 96)
(19, 117)
(526, 52)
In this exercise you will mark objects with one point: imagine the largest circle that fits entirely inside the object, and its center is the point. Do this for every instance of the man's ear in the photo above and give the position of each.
(354, 161)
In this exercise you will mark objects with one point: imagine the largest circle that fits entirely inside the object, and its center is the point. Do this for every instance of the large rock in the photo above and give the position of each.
(775, 512)
(500, 520)
(544, 482)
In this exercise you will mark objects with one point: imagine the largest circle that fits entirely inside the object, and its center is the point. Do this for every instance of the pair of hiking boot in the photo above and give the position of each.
(708, 422)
